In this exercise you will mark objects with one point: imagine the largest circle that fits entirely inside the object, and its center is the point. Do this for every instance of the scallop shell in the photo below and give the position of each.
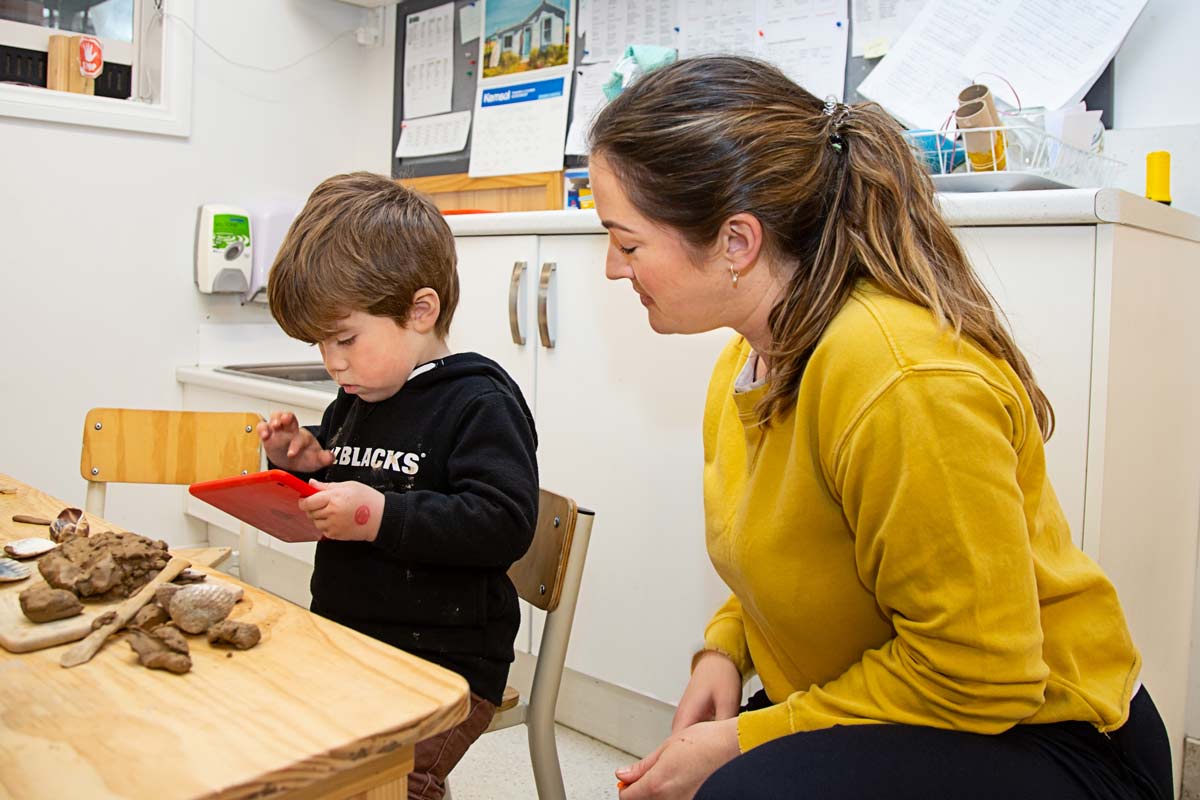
(196, 608)
(13, 570)
(28, 548)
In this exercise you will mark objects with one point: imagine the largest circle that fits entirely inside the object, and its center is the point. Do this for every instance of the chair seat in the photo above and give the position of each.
(509, 700)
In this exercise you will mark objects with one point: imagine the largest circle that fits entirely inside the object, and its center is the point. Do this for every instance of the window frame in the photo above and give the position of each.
(171, 116)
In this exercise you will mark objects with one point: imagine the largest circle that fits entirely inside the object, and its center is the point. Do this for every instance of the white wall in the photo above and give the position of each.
(97, 304)
(1156, 75)
(1157, 85)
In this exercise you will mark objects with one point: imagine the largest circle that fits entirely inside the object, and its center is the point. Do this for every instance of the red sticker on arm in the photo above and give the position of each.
(362, 514)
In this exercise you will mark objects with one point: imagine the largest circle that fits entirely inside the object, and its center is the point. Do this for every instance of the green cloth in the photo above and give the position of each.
(637, 61)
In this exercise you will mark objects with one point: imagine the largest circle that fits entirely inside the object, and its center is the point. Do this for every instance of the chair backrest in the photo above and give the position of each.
(540, 573)
(126, 445)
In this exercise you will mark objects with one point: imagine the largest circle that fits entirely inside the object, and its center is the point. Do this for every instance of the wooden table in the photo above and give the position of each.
(314, 710)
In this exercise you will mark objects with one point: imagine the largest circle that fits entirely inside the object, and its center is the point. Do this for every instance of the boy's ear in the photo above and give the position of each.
(425, 310)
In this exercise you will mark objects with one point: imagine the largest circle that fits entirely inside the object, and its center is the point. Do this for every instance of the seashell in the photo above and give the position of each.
(28, 548)
(190, 575)
(196, 608)
(70, 522)
(13, 570)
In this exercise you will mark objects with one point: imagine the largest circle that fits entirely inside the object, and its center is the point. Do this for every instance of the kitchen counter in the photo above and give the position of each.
(1047, 207)
(273, 391)
(314, 710)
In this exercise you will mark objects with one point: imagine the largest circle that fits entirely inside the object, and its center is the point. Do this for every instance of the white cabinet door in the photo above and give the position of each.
(1043, 279)
(481, 321)
(619, 411)
(488, 266)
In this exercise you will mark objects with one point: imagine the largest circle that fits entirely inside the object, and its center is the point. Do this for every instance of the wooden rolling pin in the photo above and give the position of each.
(83, 651)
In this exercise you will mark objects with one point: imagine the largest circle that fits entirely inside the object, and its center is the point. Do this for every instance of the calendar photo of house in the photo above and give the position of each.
(525, 35)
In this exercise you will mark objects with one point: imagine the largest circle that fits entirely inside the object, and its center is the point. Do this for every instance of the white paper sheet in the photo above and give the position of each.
(615, 24)
(918, 81)
(589, 98)
(1051, 51)
(429, 136)
(429, 61)
(807, 40)
(879, 23)
(718, 26)
(470, 18)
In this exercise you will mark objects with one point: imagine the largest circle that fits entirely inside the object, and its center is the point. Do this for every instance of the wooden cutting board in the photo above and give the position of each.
(19, 635)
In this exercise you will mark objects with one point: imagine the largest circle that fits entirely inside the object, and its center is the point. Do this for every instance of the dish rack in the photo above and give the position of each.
(1017, 149)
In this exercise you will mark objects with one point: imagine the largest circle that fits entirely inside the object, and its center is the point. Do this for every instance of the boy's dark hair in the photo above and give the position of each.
(362, 242)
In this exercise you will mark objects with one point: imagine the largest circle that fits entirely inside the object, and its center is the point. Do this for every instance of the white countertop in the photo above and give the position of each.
(1047, 207)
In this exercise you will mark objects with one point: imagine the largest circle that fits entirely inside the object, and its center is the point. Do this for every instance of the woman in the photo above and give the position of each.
(875, 482)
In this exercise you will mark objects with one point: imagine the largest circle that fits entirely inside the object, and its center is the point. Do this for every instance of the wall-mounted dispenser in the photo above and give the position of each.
(224, 251)
(271, 223)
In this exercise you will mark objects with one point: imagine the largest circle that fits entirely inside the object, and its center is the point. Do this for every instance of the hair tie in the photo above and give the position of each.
(837, 112)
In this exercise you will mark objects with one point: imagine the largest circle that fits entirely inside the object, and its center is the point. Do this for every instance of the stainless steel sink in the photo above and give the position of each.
(309, 375)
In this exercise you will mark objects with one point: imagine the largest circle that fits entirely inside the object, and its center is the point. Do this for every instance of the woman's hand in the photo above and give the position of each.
(290, 446)
(714, 692)
(677, 769)
(348, 510)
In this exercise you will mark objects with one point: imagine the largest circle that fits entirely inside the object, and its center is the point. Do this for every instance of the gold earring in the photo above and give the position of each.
(733, 275)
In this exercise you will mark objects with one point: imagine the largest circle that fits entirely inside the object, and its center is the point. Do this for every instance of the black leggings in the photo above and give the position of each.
(1063, 761)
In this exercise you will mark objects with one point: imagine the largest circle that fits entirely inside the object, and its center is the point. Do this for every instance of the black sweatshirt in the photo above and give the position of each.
(454, 454)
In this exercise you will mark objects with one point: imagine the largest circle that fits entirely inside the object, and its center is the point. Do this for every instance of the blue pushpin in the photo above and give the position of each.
(677, 29)
(839, 23)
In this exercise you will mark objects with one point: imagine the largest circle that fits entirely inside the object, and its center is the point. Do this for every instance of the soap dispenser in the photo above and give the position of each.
(224, 252)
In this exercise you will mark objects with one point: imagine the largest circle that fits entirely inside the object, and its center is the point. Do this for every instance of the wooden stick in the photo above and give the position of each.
(30, 520)
(84, 650)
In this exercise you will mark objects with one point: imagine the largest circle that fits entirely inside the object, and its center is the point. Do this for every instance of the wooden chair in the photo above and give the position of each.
(548, 578)
(126, 445)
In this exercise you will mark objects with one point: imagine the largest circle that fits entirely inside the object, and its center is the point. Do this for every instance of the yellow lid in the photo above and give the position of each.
(1158, 176)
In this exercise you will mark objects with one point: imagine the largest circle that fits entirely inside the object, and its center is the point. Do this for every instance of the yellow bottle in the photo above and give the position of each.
(1158, 176)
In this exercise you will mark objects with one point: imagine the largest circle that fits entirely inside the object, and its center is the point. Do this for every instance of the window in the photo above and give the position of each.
(547, 30)
(508, 41)
(107, 19)
(147, 51)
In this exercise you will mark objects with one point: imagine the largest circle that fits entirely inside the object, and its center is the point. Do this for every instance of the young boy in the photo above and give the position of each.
(425, 460)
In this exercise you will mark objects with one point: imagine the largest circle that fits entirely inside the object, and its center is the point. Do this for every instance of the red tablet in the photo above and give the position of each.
(264, 500)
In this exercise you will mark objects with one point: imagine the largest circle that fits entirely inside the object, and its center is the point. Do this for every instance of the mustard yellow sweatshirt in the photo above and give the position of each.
(893, 546)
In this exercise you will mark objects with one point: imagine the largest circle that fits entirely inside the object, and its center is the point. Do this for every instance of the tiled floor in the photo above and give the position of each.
(497, 767)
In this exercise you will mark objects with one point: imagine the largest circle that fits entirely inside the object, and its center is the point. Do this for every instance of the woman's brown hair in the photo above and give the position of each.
(362, 242)
(839, 194)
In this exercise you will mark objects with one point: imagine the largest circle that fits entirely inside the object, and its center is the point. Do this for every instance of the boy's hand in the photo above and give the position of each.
(290, 446)
(348, 510)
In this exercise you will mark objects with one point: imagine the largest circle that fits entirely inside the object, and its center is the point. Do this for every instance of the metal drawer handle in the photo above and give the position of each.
(514, 292)
(543, 295)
